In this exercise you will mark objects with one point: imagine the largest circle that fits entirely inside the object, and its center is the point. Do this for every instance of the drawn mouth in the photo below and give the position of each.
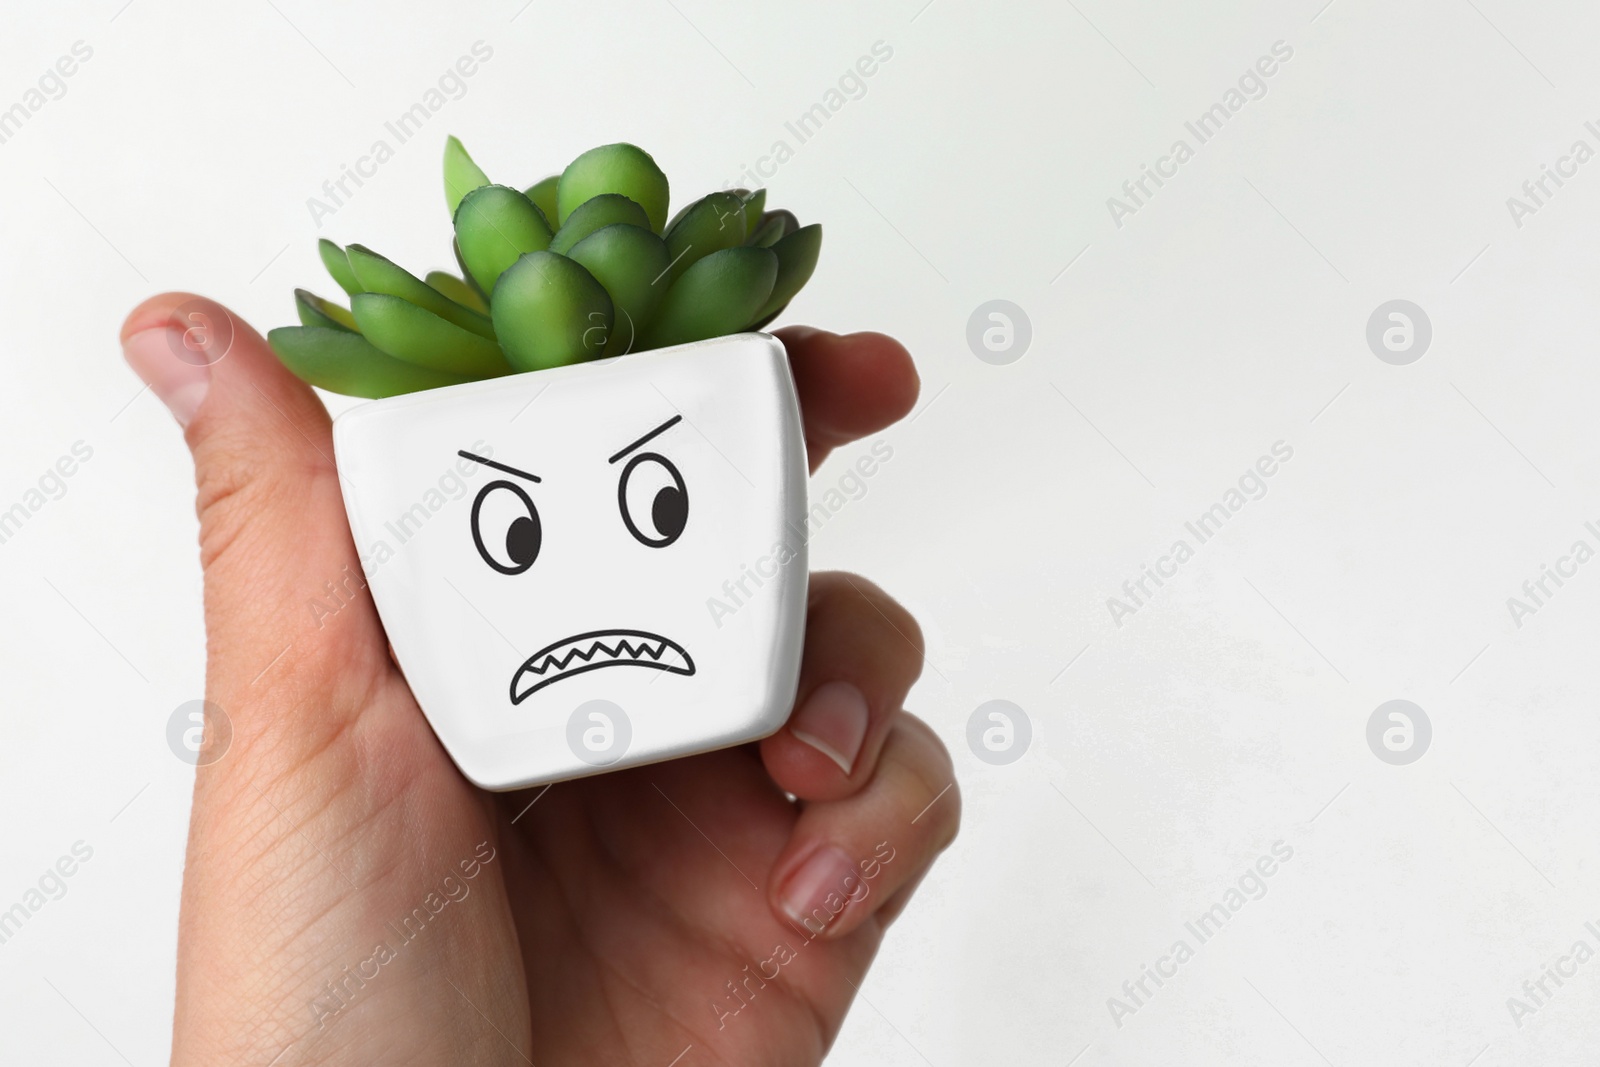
(591, 651)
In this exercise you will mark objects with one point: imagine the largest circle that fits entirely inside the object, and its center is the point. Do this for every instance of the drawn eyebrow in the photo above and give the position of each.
(498, 466)
(663, 428)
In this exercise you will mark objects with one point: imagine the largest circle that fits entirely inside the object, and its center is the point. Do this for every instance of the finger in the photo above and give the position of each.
(849, 859)
(850, 385)
(283, 587)
(862, 653)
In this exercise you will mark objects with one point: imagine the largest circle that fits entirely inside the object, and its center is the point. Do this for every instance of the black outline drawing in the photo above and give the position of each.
(627, 648)
(533, 513)
(622, 498)
(634, 653)
(464, 454)
(652, 435)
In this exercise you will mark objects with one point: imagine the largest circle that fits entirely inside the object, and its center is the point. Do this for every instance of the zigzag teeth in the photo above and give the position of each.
(624, 648)
(612, 648)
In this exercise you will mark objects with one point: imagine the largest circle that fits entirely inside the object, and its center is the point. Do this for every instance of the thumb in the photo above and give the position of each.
(286, 608)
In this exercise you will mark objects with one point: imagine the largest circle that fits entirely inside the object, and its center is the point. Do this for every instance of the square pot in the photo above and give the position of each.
(590, 567)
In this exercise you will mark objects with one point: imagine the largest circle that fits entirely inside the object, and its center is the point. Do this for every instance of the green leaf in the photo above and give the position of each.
(774, 226)
(543, 195)
(614, 168)
(494, 226)
(754, 204)
(797, 258)
(716, 296)
(766, 234)
(315, 311)
(457, 289)
(631, 262)
(461, 174)
(378, 275)
(333, 258)
(607, 209)
(405, 331)
(549, 312)
(709, 225)
(482, 303)
(344, 362)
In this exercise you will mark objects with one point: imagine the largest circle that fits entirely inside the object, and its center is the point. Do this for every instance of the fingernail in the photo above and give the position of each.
(833, 720)
(179, 383)
(819, 889)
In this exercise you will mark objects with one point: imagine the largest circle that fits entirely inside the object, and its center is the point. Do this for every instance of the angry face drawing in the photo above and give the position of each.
(653, 502)
(540, 542)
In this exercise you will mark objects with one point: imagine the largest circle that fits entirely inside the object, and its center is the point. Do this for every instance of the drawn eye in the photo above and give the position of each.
(654, 502)
(505, 527)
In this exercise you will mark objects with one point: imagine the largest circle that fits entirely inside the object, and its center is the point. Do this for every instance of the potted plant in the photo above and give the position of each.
(577, 450)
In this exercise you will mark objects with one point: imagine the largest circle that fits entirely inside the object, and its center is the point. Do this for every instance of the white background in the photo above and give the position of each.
(1228, 713)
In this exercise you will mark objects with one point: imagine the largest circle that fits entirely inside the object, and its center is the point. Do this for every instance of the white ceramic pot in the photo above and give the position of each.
(591, 567)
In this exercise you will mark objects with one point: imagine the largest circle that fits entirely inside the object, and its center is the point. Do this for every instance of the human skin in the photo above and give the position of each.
(646, 916)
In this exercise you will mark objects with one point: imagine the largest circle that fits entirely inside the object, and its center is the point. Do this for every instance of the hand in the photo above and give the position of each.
(350, 898)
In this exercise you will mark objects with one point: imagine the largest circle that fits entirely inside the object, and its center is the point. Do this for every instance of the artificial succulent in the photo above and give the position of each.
(582, 265)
